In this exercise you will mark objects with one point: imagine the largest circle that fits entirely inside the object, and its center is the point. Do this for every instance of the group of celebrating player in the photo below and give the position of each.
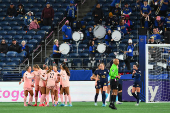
(46, 81)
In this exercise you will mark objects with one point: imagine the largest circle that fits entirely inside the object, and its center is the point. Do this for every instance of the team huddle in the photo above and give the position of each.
(48, 80)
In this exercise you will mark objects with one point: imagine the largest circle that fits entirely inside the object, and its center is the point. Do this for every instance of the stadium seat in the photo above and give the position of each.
(38, 13)
(30, 5)
(52, 1)
(9, 19)
(15, 1)
(61, 9)
(11, 54)
(112, 55)
(8, 37)
(17, 28)
(46, 28)
(33, 1)
(12, 63)
(13, 23)
(34, 42)
(42, 1)
(12, 32)
(22, 54)
(35, 9)
(74, 55)
(2, 5)
(83, 46)
(27, 37)
(24, 1)
(2, 64)
(21, 32)
(6, 28)
(3, 32)
(2, 55)
(41, 32)
(57, 5)
(17, 37)
(84, 55)
(37, 37)
(30, 47)
(31, 32)
(0, 37)
(6, 1)
(5, 59)
(4, 23)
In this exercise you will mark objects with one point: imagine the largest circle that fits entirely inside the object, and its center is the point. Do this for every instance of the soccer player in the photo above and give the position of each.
(93, 77)
(27, 79)
(36, 73)
(65, 76)
(137, 84)
(102, 75)
(114, 76)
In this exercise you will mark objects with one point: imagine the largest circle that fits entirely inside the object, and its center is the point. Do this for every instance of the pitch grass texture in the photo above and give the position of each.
(87, 107)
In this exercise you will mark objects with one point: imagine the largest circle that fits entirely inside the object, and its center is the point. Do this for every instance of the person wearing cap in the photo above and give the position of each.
(20, 10)
(116, 11)
(11, 11)
(152, 40)
(111, 20)
(155, 34)
(167, 23)
(67, 32)
(28, 18)
(34, 25)
(129, 54)
(90, 35)
(112, 5)
(145, 8)
(71, 13)
(123, 27)
(98, 14)
(3, 46)
(14, 46)
(56, 52)
(47, 15)
(163, 8)
(158, 23)
(24, 47)
(127, 10)
(128, 22)
(108, 41)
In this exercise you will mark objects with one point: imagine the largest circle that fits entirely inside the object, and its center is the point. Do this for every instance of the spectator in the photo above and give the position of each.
(167, 23)
(163, 8)
(155, 34)
(67, 32)
(146, 20)
(158, 23)
(3, 47)
(112, 5)
(129, 54)
(90, 35)
(92, 50)
(71, 13)
(145, 8)
(108, 38)
(98, 14)
(155, 4)
(47, 15)
(14, 46)
(28, 19)
(11, 11)
(127, 10)
(20, 10)
(24, 47)
(56, 52)
(123, 27)
(34, 25)
(111, 20)
(116, 11)
(128, 22)
(138, 4)
(151, 40)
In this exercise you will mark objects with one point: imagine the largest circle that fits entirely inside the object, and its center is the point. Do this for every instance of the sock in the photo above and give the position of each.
(56, 102)
(47, 96)
(29, 101)
(65, 97)
(134, 95)
(36, 99)
(106, 96)
(69, 98)
(25, 100)
(116, 98)
(61, 96)
(138, 97)
(103, 97)
(52, 97)
(95, 98)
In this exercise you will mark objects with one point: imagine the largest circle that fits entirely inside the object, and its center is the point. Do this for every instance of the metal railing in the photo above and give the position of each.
(36, 50)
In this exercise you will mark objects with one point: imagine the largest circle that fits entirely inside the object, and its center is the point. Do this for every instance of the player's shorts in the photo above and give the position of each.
(103, 83)
(113, 84)
(37, 87)
(98, 85)
(137, 84)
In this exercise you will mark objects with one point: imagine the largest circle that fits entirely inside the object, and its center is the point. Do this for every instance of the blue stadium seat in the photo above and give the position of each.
(38, 13)
(12, 32)
(24, 1)
(55, 9)
(91, 23)
(2, 64)
(4, 23)
(2, 55)
(35, 9)
(112, 55)
(27, 37)
(21, 32)
(11, 54)
(12, 64)
(3, 32)
(74, 55)
(84, 55)
(13, 23)
(22, 54)
(57, 5)
(61, 9)
(59, 14)
(1, 19)
(42, 1)
(31, 32)
(6, 28)
(8, 37)
(5, 60)
(87, 18)
(15, 1)
(52, 1)
(34, 42)
(46, 28)
(2, 5)
(19, 19)
(83, 46)
(9, 19)
(17, 37)
(0, 37)
(41, 32)
(17, 28)
(6, 1)
(30, 5)
(37, 37)
(38, 5)
(30, 47)
(27, 9)
(3, 14)
(33, 1)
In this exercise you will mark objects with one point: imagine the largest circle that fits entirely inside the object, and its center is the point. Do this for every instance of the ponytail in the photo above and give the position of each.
(50, 69)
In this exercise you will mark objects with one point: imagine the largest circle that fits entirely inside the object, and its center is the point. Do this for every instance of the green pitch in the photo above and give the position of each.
(87, 107)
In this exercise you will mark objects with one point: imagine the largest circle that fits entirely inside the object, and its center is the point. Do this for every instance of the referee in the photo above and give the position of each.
(114, 76)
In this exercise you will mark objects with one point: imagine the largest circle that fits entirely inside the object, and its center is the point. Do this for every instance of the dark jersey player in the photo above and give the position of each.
(137, 82)
(102, 74)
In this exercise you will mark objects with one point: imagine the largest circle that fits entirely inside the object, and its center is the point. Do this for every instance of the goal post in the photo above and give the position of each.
(157, 73)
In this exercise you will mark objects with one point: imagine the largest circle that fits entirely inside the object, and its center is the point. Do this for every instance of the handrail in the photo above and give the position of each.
(46, 43)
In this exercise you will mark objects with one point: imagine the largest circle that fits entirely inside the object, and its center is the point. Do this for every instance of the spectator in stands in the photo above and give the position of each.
(34, 25)
(90, 35)
(47, 15)
(116, 11)
(92, 50)
(152, 40)
(129, 54)
(28, 19)
(145, 8)
(155, 34)
(11, 11)
(71, 13)
(108, 38)
(163, 7)
(158, 23)
(56, 52)
(167, 23)
(155, 4)
(112, 5)
(146, 20)
(128, 22)
(67, 32)
(14, 46)
(127, 10)
(20, 10)
(111, 20)
(98, 14)
(124, 28)
(138, 4)
(24, 47)
(3, 47)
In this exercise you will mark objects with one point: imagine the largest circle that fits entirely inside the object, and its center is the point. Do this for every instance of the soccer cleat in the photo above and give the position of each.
(25, 105)
(65, 105)
(136, 104)
(54, 105)
(70, 105)
(103, 105)
(61, 105)
(41, 105)
(112, 106)
(119, 102)
(29, 104)
(95, 104)
(47, 105)
(35, 105)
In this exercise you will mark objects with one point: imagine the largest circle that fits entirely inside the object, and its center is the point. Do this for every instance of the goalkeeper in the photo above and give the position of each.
(114, 76)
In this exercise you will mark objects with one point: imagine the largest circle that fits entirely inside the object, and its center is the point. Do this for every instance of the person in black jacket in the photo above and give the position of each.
(98, 14)
(20, 10)
(14, 46)
(3, 47)
(11, 11)
(116, 11)
(24, 47)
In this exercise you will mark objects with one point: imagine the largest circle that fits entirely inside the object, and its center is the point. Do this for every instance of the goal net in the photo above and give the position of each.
(157, 76)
